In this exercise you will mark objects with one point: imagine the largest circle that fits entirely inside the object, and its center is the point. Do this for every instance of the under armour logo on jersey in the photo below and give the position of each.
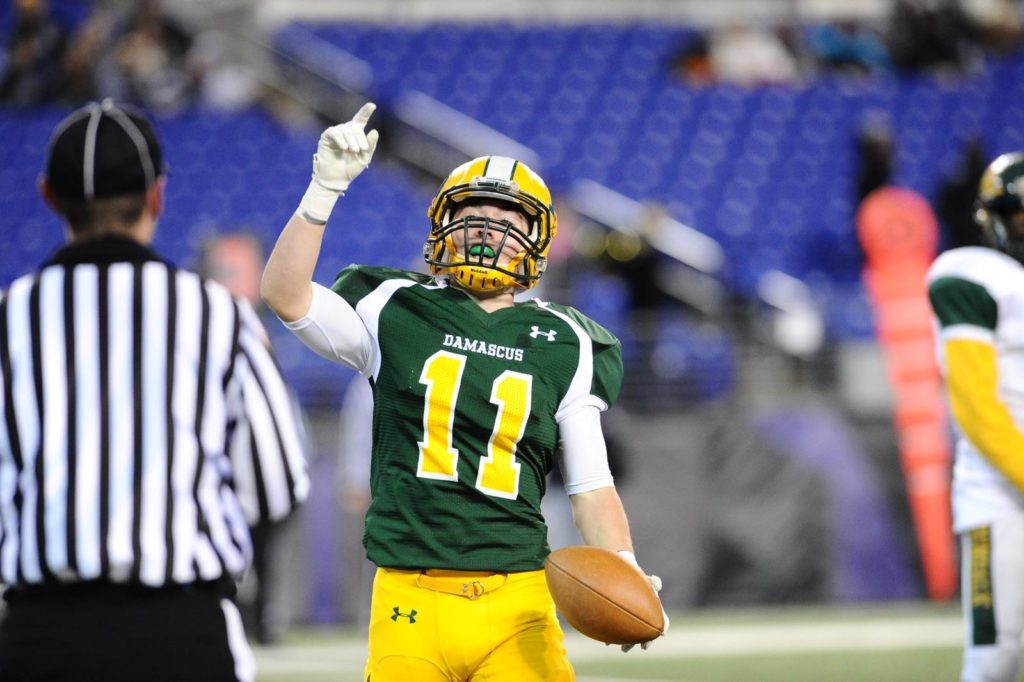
(550, 334)
(398, 614)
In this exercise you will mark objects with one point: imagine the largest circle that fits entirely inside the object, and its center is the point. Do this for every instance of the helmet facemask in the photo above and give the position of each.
(478, 264)
(469, 249)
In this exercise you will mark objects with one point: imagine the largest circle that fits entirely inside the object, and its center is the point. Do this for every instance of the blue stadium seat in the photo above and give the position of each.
(768, 171)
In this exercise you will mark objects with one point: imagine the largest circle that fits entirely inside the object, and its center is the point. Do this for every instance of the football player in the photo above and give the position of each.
(977, 297)
(476, 397)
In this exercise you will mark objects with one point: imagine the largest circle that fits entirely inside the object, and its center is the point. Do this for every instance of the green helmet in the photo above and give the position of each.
(1000, 195)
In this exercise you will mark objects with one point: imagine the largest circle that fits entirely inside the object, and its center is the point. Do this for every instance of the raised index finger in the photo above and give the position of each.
(364, 113)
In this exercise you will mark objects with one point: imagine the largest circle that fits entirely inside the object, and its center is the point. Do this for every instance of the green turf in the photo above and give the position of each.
(336, 654)
(303, 677)
(799, 613)
(920, 665)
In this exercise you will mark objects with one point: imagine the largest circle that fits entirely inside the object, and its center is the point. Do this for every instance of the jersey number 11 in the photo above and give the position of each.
(499, 471)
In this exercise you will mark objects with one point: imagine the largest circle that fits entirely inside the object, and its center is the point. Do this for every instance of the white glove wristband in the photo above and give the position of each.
(317, 203)
(630, 558)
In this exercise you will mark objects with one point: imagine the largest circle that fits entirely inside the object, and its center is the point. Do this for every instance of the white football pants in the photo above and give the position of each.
(992, 589)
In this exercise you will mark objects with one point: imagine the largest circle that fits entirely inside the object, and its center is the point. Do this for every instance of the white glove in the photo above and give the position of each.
(655, 583)
(343, 153)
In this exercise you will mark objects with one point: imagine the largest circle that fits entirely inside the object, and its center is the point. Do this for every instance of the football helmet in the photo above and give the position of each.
(477, 267)
(1000, 195)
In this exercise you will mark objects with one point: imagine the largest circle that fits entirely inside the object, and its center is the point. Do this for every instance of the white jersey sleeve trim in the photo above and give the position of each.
(333, 329)
(584, 455)
(579, 394)
(968, 331)
(369, 309)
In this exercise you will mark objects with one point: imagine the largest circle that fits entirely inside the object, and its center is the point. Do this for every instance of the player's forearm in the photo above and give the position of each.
(601, 519)
(287, 279)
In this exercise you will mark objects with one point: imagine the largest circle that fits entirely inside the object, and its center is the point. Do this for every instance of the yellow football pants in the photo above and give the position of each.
(455, 626)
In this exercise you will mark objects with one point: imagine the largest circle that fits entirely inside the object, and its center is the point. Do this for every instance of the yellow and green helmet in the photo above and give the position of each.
(503, 181)
(1000, 195)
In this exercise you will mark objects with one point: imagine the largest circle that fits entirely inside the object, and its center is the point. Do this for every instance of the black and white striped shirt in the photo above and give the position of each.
(143, 423)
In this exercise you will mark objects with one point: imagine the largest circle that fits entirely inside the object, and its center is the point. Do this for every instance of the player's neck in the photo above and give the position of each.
(494, 300)
(492, 303)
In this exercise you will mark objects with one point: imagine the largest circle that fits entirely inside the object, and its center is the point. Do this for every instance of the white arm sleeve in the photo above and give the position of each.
(333, 329)
(584, 461)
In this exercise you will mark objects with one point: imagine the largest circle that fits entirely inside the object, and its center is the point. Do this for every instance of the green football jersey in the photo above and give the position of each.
(464, 418)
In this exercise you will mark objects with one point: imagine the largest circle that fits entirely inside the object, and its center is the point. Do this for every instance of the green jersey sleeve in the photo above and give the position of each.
(607, 381)
(959, 301)
(600, 355)
(355, 282)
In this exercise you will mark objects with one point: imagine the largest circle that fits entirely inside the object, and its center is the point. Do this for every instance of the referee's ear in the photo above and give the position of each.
(49, 196)
(155, 197)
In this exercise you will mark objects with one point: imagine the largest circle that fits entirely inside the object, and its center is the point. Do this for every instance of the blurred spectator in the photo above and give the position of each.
(954, 204)
(355, 425)
(353, 486)
(632, 257)
(32, 73)
(692, 62)
(749, 55)
(216, 82)
(875, 151)
(146, 64)
(846, 46)
(998, 23)
(84, 50)
(236, 261)
(932, 35)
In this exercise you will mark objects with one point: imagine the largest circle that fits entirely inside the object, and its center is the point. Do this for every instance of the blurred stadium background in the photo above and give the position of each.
(708, 159)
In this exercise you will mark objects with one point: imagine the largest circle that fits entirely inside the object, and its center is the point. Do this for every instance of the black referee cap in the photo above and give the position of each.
(102, 150)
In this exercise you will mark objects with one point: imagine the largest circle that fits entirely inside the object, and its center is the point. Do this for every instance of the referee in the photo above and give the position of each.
(143, 428)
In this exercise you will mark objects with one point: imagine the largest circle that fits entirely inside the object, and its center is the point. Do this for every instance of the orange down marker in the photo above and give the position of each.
(899, 234)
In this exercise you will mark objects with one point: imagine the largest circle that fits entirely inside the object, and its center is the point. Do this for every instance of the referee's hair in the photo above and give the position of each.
(114, 213)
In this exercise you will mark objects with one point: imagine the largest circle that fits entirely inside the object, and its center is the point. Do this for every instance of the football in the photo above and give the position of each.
(603, 596)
